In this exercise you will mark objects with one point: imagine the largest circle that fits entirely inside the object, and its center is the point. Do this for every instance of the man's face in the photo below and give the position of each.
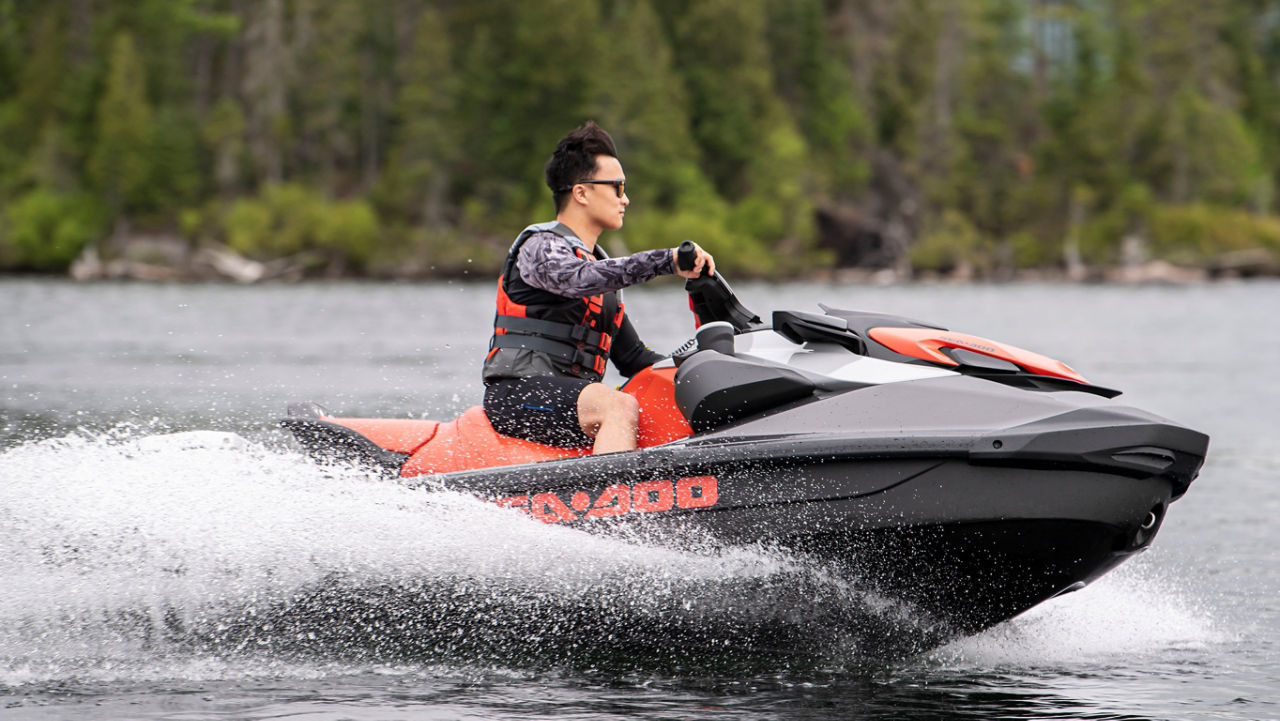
(607, 204)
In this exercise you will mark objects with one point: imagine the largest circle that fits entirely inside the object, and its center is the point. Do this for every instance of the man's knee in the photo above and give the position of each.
(626, 408)
(599, 404)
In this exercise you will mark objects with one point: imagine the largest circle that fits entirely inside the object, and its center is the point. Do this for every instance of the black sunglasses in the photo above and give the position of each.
(619, 186)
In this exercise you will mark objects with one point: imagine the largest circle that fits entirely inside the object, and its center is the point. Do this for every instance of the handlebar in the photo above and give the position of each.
(710, 296)
(686, 255)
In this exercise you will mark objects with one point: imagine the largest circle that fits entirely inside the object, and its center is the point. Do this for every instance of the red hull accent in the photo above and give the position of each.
(660, 420)
(469, 441)
(926, 344)
(401, 435)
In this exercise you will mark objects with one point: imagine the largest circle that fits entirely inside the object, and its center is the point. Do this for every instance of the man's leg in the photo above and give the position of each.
(611, 417)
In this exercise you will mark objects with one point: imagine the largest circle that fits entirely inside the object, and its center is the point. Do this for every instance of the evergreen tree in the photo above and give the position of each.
(640, 101)
(902, 72)
(527, 79)
(425, 143)
(120, 164)
(327, 47)
(223, 133)
(751, 147)
(1252, 35)
(267, 71)
(996, 120)
(723, 56)
(819, 89)
(10, 50)
(30, 108)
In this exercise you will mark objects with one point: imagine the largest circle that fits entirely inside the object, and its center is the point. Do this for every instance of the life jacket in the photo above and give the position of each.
(574, 334)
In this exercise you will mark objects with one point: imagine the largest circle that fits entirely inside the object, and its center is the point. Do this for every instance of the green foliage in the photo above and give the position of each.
(178, 158)
(31, 102)
(640, 98)
(1214, 154)
(426, 139)
(810, 78)
(1194, 233)
(291, 220)
(709, 228)
(525, 78)
(9, 48)
(1127, 214)
(953, 245)
(409, 137)
(1029, 252)
(447, 252)
(722, 54)
(223, 134)
(121, 164)
(45, 231)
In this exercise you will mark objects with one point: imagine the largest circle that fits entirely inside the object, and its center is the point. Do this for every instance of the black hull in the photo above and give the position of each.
(977, 575)
(966, 502)
(963, 546)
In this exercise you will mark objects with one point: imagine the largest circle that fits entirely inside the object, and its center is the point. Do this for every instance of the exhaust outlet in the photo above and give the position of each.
(1147, 527)
(1150, 521)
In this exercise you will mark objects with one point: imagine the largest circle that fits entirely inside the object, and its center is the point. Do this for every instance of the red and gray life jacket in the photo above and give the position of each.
(536, 332)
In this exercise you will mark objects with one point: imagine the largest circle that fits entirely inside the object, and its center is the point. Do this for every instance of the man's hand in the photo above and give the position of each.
(702, 259)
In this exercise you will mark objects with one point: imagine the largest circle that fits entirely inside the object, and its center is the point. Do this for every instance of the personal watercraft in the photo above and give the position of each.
(966, 478)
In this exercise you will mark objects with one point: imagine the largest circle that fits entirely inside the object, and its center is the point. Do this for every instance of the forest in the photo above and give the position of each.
(987, 139)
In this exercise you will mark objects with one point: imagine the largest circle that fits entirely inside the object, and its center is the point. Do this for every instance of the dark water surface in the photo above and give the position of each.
(220, 575)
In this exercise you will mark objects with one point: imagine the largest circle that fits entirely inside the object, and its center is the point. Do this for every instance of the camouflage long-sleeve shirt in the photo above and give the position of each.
(547, 262)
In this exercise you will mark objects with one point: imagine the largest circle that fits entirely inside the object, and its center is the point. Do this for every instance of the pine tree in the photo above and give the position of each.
(328, 90)
(266, 75)
(820, 91)
(1252, 35)
(526, 80)
(29, 111)
(425, 144)
(723, 56)
(996, 120)
(640, 101)
(120, 164)
(10, 50)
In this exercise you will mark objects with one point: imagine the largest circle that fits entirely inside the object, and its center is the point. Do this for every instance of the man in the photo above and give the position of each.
(559, 315)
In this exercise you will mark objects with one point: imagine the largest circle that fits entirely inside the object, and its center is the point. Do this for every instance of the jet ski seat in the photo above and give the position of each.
(469, 442)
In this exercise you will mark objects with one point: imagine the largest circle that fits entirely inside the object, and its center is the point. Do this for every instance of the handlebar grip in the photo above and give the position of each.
(686, 255)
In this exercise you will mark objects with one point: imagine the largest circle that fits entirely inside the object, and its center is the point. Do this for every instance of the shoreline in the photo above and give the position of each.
(161, 260)
(1155, 274)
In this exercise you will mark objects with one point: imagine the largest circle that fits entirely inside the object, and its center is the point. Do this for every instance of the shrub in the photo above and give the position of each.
(952, 244)
(291, 219)
(447, 252)
(1193, 233)
(45, 231)
(667, 228)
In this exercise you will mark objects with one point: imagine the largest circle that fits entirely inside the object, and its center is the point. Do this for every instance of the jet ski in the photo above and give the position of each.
(962, 477)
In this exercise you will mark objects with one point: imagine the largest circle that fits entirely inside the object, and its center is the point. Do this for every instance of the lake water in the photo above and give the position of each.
(147, 575)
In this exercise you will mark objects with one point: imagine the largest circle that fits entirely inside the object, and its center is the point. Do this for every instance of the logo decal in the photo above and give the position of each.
(963, 343)
(617, 500)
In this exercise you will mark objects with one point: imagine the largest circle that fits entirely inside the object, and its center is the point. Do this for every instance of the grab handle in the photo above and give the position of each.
(686, 254)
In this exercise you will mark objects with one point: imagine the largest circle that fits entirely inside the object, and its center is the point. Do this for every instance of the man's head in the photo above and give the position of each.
(577, 158)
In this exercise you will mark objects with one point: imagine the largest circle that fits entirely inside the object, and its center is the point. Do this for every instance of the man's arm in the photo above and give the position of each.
(547, 262)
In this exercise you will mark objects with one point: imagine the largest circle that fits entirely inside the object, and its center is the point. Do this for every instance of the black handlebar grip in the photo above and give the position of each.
(686, 255)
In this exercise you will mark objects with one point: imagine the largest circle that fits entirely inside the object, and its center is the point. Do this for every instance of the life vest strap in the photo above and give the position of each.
(551, 329)
(584, 357)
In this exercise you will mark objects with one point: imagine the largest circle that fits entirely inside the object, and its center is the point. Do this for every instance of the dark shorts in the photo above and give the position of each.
(543, 409)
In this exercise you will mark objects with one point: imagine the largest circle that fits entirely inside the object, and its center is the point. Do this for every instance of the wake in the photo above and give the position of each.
(139, 552)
